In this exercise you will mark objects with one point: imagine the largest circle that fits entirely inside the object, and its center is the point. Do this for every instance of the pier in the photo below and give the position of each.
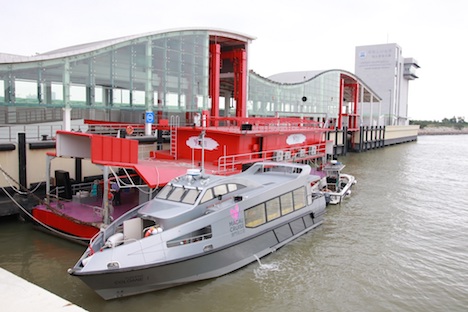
(20, 295)
(370, 137)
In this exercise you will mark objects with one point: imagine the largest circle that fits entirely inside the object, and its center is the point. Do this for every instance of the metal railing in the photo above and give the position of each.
(37, 132)
(233, 163)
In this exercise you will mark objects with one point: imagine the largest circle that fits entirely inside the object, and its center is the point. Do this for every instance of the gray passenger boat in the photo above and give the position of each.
(202, 226)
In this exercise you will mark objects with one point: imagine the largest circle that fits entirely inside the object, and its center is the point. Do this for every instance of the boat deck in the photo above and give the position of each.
(89, 209)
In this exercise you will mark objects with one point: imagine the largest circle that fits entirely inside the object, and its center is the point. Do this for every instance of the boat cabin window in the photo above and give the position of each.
(221, 189)
(164, 191)
(255, 216)
(275, 208)
(286, 203)
(178, 194)
(190, 196)
(207, 196)
(299, 198)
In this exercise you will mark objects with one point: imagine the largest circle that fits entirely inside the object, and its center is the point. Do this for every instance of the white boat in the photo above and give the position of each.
(202, 226)
(336, 185)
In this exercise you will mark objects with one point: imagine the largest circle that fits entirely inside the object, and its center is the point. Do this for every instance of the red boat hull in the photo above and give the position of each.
(63, 224)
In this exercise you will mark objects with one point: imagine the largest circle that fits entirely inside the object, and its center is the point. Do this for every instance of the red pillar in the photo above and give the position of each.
(215, 68)
(240, 82)
(340, 105)
(355, 109)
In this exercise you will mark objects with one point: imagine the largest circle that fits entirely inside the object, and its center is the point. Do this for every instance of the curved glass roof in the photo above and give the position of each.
(95, 46)
(167, 71)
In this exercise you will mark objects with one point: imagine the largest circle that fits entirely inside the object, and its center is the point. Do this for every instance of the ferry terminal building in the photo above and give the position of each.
(179, 76)
(180, 72)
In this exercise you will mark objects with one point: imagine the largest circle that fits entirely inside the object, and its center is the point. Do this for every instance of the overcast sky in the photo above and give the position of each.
(291, 35)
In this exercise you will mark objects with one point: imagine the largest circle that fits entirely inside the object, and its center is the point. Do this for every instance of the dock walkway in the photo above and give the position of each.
(17, 294)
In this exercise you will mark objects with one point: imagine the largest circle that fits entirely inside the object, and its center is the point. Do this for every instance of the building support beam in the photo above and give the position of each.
(66, 96)
(240, 82)
(340, 105)
(149, 93)
(215, 68)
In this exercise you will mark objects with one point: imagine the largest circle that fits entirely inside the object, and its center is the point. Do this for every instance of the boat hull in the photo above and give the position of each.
(120, 283)
(65, 225)
(80, 220)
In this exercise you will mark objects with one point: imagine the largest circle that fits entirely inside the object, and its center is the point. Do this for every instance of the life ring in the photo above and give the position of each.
(153, 231)
(129, 130)
(149, 231)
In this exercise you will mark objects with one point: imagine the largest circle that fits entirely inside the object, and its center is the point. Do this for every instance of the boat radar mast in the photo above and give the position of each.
(201, 142)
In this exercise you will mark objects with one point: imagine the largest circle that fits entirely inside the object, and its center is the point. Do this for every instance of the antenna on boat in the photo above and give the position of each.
(201, 141)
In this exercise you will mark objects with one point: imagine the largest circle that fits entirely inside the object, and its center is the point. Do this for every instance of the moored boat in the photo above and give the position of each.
(201, 226)
(78, 209)
(335, 184)
(74, 209)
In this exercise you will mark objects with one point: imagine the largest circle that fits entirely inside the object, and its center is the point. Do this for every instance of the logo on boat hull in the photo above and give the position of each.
(235, 212)
(196, 143)
(236, 225)
(296, 139)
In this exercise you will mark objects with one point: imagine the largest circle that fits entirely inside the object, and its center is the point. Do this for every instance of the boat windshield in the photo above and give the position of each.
(179, 194)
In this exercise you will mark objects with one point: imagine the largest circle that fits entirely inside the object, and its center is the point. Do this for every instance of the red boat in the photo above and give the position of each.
(217, 146)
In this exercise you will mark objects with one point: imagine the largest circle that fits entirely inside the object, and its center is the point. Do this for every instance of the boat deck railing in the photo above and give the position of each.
(273, 127)
(233, 163)
(78, 189)
(264, 123)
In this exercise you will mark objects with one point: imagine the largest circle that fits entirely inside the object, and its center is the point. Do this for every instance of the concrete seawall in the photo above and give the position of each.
(18, 294)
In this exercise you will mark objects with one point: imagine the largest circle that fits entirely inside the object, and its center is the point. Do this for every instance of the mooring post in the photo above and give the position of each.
(382, 142)
(22, 172)
(346, 141)
(78, 169)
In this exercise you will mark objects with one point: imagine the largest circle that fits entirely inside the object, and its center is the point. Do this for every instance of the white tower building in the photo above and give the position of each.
(388, 73)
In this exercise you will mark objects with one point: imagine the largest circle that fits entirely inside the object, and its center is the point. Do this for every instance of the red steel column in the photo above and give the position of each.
(356, 100)
(240, 82)
(340, 105)
(215, 68)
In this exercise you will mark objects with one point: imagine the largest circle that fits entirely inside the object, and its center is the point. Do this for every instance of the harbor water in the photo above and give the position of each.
(399, 243)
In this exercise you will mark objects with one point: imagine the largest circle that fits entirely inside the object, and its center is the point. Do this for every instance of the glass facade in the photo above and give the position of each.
(168, 71)
(317, 97)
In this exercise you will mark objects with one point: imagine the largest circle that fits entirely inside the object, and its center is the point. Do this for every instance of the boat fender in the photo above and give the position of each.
(86, 260)
(114, 240)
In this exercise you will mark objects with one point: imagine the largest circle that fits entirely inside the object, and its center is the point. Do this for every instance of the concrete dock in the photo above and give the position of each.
(17, 294)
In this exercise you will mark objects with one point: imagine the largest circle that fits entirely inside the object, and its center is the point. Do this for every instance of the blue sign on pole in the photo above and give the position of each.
(149, 117)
